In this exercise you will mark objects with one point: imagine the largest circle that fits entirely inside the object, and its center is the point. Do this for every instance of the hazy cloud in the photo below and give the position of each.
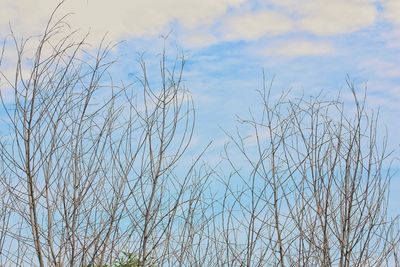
(251, 26)
(338, 16)
(297, 48)
(128, 19)
(121, 19)
(392, 10)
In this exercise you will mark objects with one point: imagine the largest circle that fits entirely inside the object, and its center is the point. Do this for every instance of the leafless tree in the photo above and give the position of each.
(92, 169)
(308, 186)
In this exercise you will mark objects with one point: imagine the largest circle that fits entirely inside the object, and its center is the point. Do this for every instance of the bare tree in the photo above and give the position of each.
(90, 169)
(308, 187)
(96, 173)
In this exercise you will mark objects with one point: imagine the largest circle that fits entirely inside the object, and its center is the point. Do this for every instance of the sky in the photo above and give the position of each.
(306, 46)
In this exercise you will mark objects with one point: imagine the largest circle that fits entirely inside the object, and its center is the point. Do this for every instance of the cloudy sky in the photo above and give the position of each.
(308, 46)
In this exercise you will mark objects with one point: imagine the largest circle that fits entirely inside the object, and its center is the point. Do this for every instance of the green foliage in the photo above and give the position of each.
(128, 259)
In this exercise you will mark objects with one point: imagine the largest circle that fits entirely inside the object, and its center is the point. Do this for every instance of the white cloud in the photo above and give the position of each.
(336, 17)
(251, 26)
(202, 22)
(121, 19)
(392, 10)
(297, 48)
(198, 39)
(327, 17)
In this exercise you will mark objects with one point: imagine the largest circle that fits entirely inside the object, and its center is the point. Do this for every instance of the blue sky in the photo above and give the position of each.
(308, 46)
